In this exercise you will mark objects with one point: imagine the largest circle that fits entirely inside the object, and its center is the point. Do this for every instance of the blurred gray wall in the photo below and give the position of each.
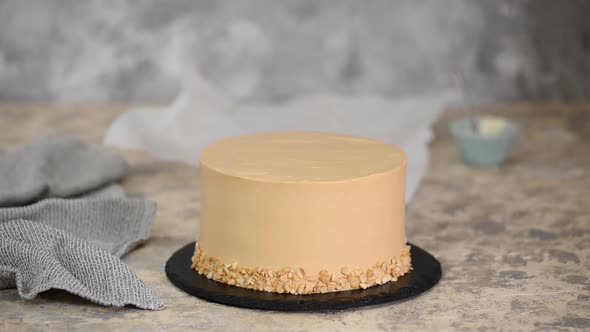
(136, 51)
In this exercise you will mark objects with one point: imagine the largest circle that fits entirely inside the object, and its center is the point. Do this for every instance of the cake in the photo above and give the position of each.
(302, 213)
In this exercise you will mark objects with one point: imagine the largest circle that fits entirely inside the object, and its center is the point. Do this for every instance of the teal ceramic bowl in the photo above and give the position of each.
(484, 140)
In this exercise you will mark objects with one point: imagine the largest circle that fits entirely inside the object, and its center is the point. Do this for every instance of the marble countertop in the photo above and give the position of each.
(514, 242)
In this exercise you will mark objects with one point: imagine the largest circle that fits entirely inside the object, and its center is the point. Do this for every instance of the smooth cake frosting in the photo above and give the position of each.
(318, 203)
(301, 157)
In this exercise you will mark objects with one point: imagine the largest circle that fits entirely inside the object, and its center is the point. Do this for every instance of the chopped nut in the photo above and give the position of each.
(300, 273)
(290, 285)
(324, 276)
(295, 280)
(300, 288)
(363, 278)
(345, 271)
(284, 271)
(309, 286)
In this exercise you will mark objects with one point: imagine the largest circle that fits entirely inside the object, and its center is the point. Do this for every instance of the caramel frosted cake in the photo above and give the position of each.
(302, 213)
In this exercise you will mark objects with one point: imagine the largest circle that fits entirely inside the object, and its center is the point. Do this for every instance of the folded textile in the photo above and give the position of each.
(73, 243)
(57, 166)
(40, 257)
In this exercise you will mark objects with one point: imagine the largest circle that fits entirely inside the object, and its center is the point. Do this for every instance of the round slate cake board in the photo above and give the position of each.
(425, 274)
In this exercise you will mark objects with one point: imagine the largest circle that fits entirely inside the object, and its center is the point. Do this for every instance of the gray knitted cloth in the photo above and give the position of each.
(64, 225)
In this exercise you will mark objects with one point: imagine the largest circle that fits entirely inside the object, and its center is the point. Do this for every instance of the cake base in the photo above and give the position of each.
(426, 272)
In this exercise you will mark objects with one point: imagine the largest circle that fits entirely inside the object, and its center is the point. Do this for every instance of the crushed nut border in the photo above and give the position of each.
(295, 281)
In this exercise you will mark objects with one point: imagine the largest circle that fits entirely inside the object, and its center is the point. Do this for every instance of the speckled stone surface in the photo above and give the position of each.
(514, 242)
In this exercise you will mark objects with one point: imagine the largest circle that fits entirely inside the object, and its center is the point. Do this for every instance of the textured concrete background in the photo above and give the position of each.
(135, 51)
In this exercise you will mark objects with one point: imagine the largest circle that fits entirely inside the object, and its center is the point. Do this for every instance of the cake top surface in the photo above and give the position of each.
(301, 157)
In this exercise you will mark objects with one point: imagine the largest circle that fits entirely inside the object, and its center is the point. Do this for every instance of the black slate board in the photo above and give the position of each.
(425, 274)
